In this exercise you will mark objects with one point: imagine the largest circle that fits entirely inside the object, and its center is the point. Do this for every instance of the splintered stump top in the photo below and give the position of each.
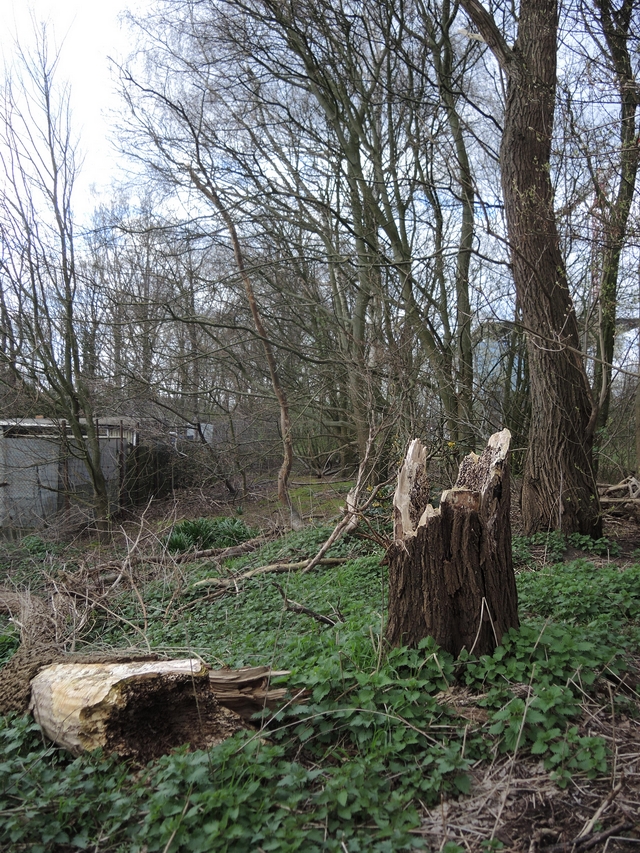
(450, 569)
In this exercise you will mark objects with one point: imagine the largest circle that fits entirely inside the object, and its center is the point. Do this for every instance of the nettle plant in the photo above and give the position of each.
(533, 686)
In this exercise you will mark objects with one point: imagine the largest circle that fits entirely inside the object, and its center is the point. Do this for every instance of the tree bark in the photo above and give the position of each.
(559, 487)
(450, 569)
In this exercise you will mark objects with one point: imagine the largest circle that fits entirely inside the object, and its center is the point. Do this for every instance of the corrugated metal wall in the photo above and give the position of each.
(39, 478)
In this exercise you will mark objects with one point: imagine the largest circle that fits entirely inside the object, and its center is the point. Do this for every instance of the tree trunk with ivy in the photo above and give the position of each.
(450, 569)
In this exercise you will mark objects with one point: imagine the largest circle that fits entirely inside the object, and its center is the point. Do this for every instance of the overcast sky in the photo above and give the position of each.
(88, 32)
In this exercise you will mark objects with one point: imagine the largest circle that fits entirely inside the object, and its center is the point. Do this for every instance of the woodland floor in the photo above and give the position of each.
(512, 803)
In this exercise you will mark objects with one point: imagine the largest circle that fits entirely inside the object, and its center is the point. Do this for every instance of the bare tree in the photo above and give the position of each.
(40, 279)
(322, 132)
(559, 488)
(611, 29)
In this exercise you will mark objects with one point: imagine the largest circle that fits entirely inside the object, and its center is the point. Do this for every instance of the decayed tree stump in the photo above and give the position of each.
(450, 569)
(140, 709)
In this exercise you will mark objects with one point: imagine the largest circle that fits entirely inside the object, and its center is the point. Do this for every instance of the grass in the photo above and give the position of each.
(380, 736)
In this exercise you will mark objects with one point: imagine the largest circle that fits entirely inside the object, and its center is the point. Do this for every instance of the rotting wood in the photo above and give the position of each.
(248, 690)
(629, 488)
(450, 569)
(621, 499)
(139, 709)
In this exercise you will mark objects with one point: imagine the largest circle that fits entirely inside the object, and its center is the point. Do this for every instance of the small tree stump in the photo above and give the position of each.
(450, 569)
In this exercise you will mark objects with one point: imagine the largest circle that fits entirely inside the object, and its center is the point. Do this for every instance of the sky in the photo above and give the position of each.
(87, 32)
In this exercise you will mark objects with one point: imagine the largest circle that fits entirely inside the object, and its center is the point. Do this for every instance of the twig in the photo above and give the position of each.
(274, 567)
(177, 826)
(351, 510)
(586, 843)
(127, 567)
(588, 827)
(219, 553)
(290, 604)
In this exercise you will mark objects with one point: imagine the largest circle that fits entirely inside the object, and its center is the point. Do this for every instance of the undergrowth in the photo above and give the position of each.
(551, 547)
(203, 533)
(376, 736)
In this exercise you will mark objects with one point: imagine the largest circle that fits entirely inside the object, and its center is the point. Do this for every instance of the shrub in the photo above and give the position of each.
(204, 533)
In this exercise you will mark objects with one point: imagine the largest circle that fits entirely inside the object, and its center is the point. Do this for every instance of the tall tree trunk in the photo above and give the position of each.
(559, 487)
(615, 26)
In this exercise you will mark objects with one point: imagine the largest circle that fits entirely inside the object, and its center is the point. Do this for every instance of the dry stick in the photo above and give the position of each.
(482, 607)
(614, 766)
(274, 567)
(290, 604)
(587, 828)
(127, 568)
(177, 826)
(588, 842)
(351, 511)
(136, 628)
(218, 553)
(512, 760)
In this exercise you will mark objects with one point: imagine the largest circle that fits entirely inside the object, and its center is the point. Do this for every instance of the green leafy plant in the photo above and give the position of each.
(203, 533)
(347, 764)
(602, 547)
(521, 550)
(553, 544)
(533, 685)
(580, 593)
(36, 546)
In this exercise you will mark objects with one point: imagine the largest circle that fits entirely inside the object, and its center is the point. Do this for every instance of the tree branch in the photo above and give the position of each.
(489, 31)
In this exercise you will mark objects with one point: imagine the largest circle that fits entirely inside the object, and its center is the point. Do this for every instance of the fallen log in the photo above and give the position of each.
(628, 488)
(139, 709)
(296, 607)
(144, 708)
(220, 553)
(629, 507)
(450, 569)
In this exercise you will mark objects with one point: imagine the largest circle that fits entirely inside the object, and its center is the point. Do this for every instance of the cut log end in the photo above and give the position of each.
(138, 710)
